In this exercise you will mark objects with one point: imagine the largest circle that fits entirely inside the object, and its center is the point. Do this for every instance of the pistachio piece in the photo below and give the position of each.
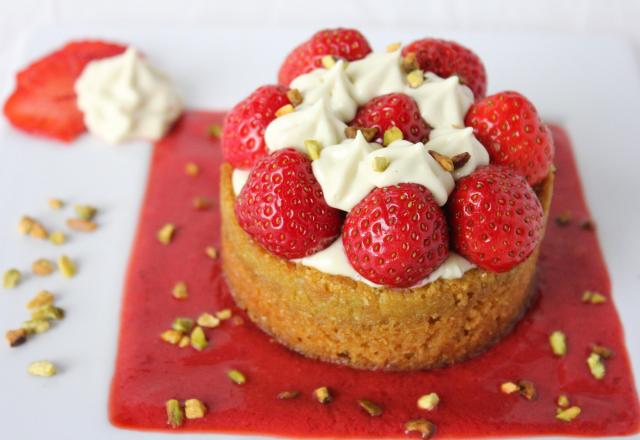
(527, 390)
(85, 212)
(602, 351)
(596, 366)
(558, 342)
(509, 388)
(36, 326)
(415, 78)
(201, 203)
(207, 320)
(42, 369)
(211, 252)
(392, 134)
(25, 224)
(284, 110)
(185, 341)
(236, 377)
(562, 401)
(57, 238)
(587, 224)
(175, 416)
(323, 395)
(370, 134)
(180, 290)
(380, 163)
(313, 148)
(194, 409)
(48, 312)
(199, 339)
(42, 267)
(81, 225)
(409, 62)
(165, 233)
(223, 314)
(460, 160)
(567, 415)
(56, 203)
(66, 266)
(11, 278)
(288, 394)
(184, 325)
(394, 46)
(295, 97)
(564, 218)
(42, 298)
(428, 401)
(171, 336)
(16, 337)
(592, 297)
(328, 61)
(423, 427)
(192, 169)
(444, 161)
(371, 408)
(215, 130)
(39, 231)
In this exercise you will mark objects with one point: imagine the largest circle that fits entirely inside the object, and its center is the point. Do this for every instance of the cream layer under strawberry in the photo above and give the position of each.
(344, 169)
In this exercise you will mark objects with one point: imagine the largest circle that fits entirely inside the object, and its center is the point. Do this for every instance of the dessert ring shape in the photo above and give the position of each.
(340, 320)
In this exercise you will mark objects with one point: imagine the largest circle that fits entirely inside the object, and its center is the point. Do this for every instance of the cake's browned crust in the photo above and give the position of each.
(340, 320)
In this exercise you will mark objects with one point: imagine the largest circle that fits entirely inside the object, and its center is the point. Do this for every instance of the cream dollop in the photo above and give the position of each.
(454, 141)
(238, 179)
(124, 97)
(377, 74)
(316, 122)
(333, 85)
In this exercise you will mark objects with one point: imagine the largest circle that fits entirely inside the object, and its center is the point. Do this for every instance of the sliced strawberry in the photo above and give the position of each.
(348, 44)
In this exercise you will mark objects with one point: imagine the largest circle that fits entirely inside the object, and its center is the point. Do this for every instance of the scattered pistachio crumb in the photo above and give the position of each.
(42, 298)
(394, 46)
(184, 325)
(567, 415)
(460, 160)
(66, 266)
(527, 390)
(591, 297)
(201, 203)
(57, 238)
(215, 130)
(328, 61)
(11, 278)
(36, 326)
(25, 224)
(171, 336)
(602, 351)
(211, 252)
(371, 408)
(429, 401)
(81, 225)
(564, 218)
(509, 388)
(380, 163)
(85, 212)
(165, 234)
(410, 62)
(56, 203)
(444, 161)
(42, 267)
(199, 339)
(425, 428)
(39, 231)
(180, 290)
(295, 97)
(562, 401)
(236, 377)
(288, 394)
(175, 416)
(558, 342)
(415, 78)
(192, 169)
(323, 395)
(223, 314)
(16, 337)
(42, 369)
(587, 224)
(207, 320)
(48, 312)
(194, 409)
(392, 134)
(284, 110)
(596, 366)
(313, 148)
(370, 134)
(185, 341)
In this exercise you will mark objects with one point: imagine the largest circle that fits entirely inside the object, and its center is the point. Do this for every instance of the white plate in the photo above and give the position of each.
(590, 86)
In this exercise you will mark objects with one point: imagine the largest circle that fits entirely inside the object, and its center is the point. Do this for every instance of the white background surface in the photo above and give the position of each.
(589, 84)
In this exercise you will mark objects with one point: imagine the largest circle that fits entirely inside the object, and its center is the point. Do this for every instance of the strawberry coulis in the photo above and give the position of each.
(149, 371)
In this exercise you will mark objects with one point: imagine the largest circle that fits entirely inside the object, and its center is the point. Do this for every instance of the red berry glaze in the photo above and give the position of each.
(446, 58)
(282, 206)
(348, 44)
(393, 109)
(396, 236)
(496, 218)
(243, 129)
(509, 127)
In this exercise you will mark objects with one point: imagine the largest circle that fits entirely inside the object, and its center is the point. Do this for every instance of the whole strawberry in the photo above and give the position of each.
(509, 127)
(496, 218)
(396, 236)
(282, 206)
(348, 44)
(393, 109)
(243, 129)
(446, 58)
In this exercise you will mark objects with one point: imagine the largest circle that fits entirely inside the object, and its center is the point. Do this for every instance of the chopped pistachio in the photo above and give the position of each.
(185, 341)
(428, 401)
(175, 416)
(56, 203)
(284, 110)
(380, 163)
(215, 130)
(211, 252)
(81, 225)
(165, 234)
(16, 337)
(415, 78)
(602, 351)
(592, 297)
(409, 62)
(288, 394)
(313, 148)
(423, 427)
(48, 312)
(201, 203)
(394, 46)
(194, 409)
(184, 325)
(372, 408)
(42, 298)
(57, 237)
(509, 388)
(180, 291)
(460, 160)
(11, 278)
(295, 97)
(392, 134)
(39, 231)
(370, 134)
(66, 266)
(527, 390)
(587, 224)
(199, 339)
(85, 212)
(223, 314)
(207, 320)
(558, 342)
(192, 169)
(323, 395)
(36, 326)
(567, 415)
(444, 161)
(596, 366)
(171, 336)
(564, 218)
(42, 369)
(42, 267)
(25, 225)
(236, 377)
(328, 61)
(562, 401)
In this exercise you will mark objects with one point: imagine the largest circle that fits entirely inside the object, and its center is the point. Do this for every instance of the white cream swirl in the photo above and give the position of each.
(124, 97)
(377, 74)
(454, 141)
